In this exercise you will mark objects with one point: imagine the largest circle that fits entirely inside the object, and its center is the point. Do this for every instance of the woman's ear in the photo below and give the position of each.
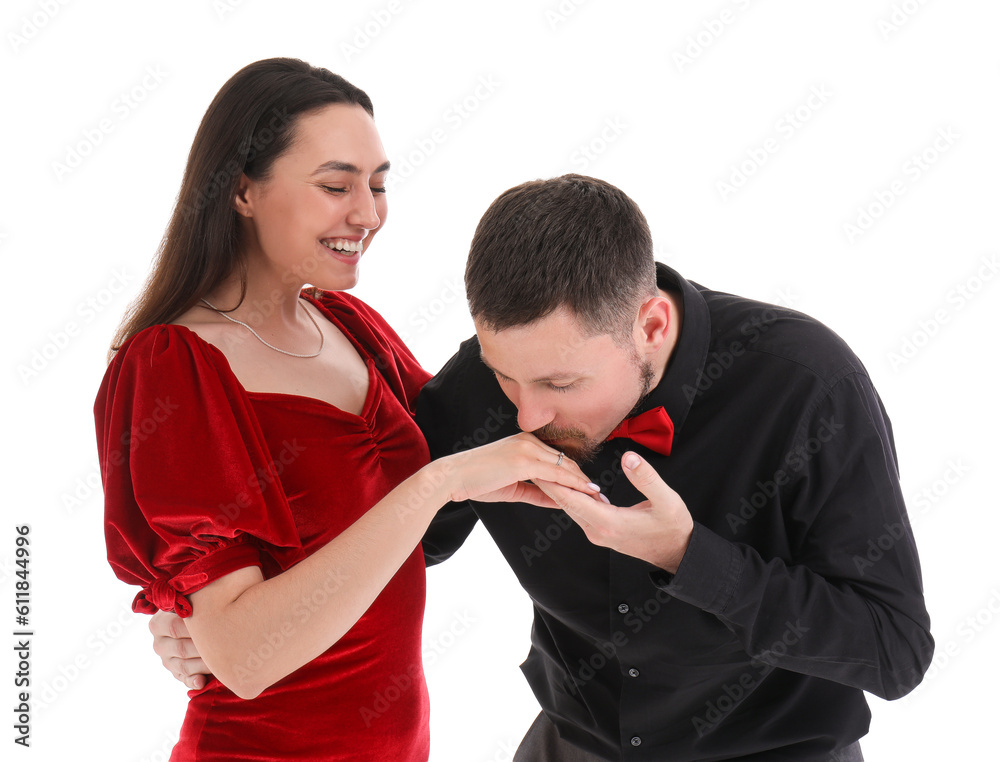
(243, 199)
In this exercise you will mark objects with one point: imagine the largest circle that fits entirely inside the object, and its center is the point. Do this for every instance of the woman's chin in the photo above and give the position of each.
(339, 282)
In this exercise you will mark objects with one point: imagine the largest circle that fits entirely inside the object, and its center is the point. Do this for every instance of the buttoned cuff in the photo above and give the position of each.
(708, 574)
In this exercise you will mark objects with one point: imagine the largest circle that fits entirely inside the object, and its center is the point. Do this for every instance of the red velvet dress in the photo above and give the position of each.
(202, 478)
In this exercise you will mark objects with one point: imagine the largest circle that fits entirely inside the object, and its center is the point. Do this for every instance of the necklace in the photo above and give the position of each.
(322, 337)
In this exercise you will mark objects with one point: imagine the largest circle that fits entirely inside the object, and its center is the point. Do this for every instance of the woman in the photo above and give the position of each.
(263, 475)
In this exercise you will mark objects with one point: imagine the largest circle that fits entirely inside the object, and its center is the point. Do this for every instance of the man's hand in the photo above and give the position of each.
(657, 530)
(173, 644)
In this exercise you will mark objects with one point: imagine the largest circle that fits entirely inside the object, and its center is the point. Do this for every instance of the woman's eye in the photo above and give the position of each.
(331, 189)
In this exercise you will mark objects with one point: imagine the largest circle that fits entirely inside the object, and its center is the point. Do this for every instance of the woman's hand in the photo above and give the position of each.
(500, 472)
(173, 644)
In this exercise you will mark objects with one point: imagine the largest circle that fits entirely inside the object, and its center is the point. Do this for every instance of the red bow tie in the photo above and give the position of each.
(652, 429)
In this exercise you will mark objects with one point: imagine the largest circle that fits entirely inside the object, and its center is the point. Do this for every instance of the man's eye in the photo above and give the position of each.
(334, 190)
(564, 388)
(378, 190)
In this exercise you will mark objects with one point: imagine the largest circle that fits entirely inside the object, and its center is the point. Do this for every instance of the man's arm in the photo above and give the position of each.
(448, 530)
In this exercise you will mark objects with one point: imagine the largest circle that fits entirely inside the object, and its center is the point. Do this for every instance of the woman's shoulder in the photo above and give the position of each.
(164, 362)
(165, 346)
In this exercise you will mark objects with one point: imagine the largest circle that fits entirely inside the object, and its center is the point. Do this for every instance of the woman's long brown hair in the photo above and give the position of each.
(249, 124)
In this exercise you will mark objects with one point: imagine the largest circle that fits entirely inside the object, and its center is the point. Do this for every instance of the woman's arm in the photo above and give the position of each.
(240, 616)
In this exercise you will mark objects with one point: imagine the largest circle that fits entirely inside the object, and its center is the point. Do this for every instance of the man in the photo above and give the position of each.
(754, 571)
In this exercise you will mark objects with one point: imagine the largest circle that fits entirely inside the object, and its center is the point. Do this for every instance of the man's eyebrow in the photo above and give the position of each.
(345, 166)
(482, 359)
(543, 379)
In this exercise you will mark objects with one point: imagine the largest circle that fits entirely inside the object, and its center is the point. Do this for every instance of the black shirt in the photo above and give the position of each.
(800, 588)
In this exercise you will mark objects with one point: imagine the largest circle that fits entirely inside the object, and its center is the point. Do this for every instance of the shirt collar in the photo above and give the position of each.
(677, 387)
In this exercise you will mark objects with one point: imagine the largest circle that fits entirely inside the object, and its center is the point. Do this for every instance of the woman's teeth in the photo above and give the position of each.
(341, 244)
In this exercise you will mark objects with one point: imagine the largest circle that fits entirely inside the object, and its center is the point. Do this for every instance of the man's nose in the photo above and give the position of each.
(532, 411)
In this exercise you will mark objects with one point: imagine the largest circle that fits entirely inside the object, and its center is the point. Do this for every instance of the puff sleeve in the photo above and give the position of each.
(190, 489)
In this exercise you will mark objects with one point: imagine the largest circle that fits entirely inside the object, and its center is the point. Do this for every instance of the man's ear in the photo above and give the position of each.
(653, 323)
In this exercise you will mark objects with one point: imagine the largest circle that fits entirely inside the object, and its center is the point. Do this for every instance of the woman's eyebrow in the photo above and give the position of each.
(342, 166)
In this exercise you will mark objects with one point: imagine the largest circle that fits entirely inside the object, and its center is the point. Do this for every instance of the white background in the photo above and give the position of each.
(666, 100)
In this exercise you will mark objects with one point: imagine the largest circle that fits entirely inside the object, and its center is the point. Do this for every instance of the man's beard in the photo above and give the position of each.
(574, 442)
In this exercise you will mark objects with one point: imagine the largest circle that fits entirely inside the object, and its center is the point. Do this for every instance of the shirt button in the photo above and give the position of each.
(622, 608)
(633, 672)
(636, 740)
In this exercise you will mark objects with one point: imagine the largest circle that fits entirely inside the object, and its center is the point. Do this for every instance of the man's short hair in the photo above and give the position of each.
(570, 241)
